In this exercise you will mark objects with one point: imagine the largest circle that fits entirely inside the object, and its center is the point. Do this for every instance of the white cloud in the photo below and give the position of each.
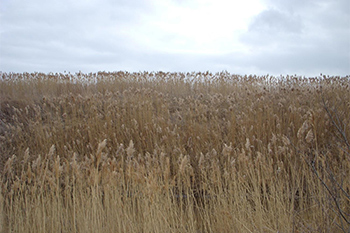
(201, 27)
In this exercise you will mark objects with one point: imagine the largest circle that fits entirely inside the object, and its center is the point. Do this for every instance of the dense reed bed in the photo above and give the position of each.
(174, 152)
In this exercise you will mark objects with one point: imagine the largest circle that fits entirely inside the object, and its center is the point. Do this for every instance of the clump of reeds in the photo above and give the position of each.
(170, 152)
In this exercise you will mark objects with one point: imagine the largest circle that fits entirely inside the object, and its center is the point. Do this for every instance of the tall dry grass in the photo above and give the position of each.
(170, 152)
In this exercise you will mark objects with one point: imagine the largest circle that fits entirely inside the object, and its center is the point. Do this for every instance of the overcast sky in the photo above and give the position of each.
(303, 37)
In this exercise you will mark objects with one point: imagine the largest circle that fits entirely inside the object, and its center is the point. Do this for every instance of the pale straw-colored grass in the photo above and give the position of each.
(170, 152)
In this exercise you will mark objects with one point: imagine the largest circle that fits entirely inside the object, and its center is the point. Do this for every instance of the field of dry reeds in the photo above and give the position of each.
(174, 152)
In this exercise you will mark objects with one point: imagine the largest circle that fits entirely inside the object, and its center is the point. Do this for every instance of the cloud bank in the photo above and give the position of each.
(255, 37)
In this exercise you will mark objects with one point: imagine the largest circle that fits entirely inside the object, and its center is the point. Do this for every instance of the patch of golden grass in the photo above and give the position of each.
(168, 152)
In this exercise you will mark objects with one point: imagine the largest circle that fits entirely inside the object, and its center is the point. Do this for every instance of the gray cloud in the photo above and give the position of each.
(59, 35)
(301, 36)
(274, 28)
(274, 21)
(290, 36)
